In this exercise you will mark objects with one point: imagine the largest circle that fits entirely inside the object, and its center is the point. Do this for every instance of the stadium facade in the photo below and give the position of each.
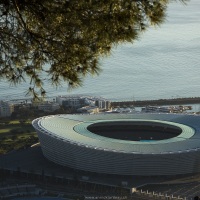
(122, 144)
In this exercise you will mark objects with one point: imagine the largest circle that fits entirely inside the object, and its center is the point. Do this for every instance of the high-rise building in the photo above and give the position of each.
(102, 104)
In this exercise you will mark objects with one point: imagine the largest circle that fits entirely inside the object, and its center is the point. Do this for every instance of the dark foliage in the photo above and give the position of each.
(61, 40)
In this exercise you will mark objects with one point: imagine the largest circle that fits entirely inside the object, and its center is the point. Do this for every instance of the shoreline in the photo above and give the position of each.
(158, 102)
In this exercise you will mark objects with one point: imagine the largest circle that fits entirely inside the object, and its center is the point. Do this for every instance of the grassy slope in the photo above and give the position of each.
(15, 135)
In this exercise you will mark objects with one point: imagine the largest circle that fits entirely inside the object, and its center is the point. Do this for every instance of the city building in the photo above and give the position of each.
(48, 106)
(74, 102)
(103, 104)
(89, 109)
(79, 101)
(6, 109)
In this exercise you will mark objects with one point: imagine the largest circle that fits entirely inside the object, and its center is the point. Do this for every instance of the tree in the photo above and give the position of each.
(24, 114)
(58, 40)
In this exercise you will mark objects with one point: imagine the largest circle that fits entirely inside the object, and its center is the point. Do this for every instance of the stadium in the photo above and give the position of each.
(122, 144)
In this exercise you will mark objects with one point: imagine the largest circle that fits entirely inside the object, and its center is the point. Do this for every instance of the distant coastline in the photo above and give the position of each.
(159, 102)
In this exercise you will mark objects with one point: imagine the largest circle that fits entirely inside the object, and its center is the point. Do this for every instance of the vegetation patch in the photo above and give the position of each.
(15, 135)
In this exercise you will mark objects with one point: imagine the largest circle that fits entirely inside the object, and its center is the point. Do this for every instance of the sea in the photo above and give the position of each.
(163, 63)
